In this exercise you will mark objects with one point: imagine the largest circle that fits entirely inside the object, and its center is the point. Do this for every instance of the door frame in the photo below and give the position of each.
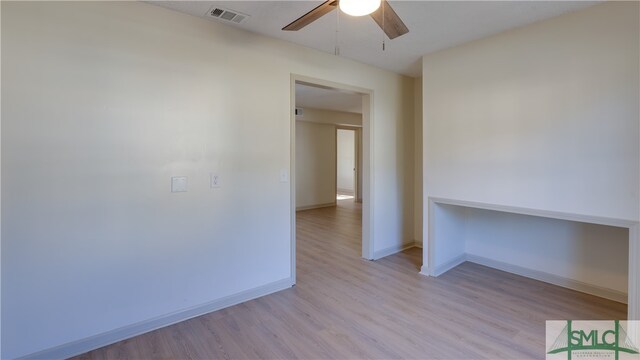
(368, 230)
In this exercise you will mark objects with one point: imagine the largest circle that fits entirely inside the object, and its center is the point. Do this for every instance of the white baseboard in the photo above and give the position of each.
(392, 250)
(97, 341)
(417, 244)
(311, 207)
(596, 290)
(441, 269)
(603, 292)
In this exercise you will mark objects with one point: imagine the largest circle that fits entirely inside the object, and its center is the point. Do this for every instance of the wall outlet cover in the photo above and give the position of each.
(215, 180)
(179, 184)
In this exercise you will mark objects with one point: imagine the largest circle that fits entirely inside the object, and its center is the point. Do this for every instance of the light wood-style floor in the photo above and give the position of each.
(344, 307)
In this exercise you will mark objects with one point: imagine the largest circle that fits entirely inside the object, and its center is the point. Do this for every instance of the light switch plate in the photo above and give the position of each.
(179, 184)
(284, 175)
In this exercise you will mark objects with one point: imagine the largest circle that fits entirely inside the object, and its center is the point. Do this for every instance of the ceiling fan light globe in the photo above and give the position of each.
(359, 7)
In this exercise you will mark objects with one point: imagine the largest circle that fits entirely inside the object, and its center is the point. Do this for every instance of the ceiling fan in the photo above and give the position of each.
(379, 10)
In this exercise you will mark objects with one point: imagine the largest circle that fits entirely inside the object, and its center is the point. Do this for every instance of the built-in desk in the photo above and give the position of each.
(444, 247)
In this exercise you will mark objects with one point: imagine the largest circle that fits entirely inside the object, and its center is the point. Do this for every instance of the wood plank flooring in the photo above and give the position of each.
(344, 307)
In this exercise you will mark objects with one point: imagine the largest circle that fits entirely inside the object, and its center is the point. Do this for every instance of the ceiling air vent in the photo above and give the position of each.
(227, 15)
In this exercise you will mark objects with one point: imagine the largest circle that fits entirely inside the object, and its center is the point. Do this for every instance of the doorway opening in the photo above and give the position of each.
(348, 164)
(331, 159)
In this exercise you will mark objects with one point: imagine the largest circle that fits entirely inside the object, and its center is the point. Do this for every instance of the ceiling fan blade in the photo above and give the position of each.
(312, 15)
(392, 25)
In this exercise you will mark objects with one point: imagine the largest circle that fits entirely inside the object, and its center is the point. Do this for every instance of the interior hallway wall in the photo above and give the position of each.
(315, 165)
(334, 117)
(418, 194)
(360, 165)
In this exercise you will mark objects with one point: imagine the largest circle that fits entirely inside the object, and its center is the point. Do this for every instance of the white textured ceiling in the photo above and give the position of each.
(433, 25)
(328, 99)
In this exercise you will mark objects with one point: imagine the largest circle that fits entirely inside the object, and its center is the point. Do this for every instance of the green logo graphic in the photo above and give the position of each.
(615, 339)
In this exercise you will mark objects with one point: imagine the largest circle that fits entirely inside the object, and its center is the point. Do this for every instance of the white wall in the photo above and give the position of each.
(346, 161)
(451, 229)
(315, 164)
(0, 208)
(405, 135)
(360, 164)
(592, 254)
(330, 117)
(542, 117)
(103, 103)
(417, 164)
